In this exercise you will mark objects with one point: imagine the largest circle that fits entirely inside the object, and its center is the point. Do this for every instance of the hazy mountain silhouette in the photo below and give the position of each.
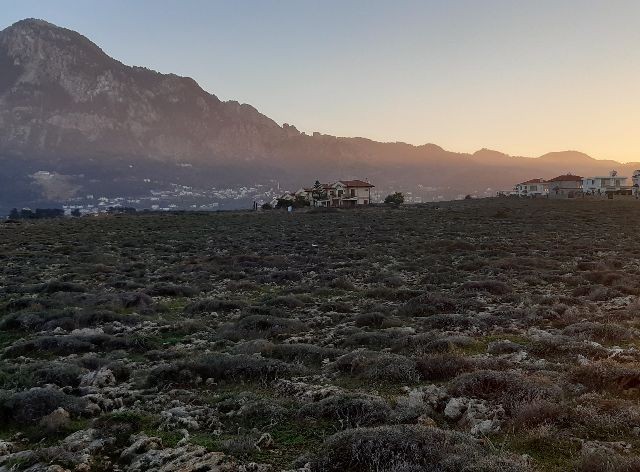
(103, 127)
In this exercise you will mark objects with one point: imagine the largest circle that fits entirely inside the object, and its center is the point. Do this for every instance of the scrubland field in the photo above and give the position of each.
(476, 336)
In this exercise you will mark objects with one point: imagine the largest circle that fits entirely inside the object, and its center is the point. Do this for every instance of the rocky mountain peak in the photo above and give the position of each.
(74, 100)
(44, 47)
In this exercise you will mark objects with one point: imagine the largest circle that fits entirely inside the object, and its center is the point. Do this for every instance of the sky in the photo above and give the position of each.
(521, 77)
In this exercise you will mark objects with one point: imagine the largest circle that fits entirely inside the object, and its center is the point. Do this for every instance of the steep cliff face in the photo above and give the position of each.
(62, 95)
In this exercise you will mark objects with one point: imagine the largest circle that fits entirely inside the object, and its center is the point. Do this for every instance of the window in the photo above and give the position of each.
(340, 192)
(353, 192)
(366, 202)
(533, 188)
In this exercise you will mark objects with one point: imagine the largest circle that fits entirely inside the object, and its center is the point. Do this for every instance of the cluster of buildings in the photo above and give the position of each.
(572, 186)
(343, 193)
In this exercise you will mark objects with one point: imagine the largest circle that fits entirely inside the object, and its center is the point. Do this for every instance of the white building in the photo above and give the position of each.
(598, 185)
(532, 188)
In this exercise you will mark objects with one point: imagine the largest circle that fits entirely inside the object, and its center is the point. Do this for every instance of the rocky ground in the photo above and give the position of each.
(488, 335)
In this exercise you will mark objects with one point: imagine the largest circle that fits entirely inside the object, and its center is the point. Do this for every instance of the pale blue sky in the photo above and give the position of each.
(524, 77)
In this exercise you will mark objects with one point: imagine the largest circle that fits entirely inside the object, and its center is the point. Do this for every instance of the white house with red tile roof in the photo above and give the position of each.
(565, 186)
(532, 188)
(351, 193)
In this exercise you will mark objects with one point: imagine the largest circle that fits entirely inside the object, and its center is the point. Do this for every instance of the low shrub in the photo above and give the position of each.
(503, 347)
(605, 460)
(375, 319)
(351, 410)
(72, 344)
(288, 301)
(30, 406)
(261, 326)
(538, 412)
(607, 375)
(494, 287)
(283, 276)
(603, 417)
(406, 448)
(382, 292)
(304, 353)
(373, 340)
(250, 410)
(428, 343)
(604, 277)
(428, 304)
(507, 387)
(214, 304)
(60, 286)
(604, 332)
(445, 366)
(58, 374)
(222, 367)
(450, 321)
(342, 283)
(171, 290)
(135, 300)
(377, 366)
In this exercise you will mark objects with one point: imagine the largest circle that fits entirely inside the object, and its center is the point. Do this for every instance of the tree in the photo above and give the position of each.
(27, 214)
(267, 206)
(14, 215)
(300, 201)
(396, 198)
(75, 212)
(283, 202)
(49, 213)
(318, 192)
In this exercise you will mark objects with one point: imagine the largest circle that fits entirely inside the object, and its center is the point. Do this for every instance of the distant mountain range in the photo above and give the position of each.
(74, 121)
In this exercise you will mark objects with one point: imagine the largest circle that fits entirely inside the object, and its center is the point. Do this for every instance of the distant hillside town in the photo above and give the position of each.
(574, 186)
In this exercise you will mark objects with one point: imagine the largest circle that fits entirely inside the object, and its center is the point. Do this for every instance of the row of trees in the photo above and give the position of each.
(40, 213)
(319, 193)
(28, 214)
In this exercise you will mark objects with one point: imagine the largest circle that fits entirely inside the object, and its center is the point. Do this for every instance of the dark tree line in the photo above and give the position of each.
(39, 213)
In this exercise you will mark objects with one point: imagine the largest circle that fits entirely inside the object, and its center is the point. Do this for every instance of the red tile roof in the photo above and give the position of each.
(566, 178)
(356, 183)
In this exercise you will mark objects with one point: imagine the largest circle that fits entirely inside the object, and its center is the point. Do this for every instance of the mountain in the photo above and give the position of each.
(74, 122)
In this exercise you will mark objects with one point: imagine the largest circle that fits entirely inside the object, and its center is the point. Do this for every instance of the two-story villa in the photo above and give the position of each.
(343, 193)
(565, 186)
(613, 183)
(532, 188)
